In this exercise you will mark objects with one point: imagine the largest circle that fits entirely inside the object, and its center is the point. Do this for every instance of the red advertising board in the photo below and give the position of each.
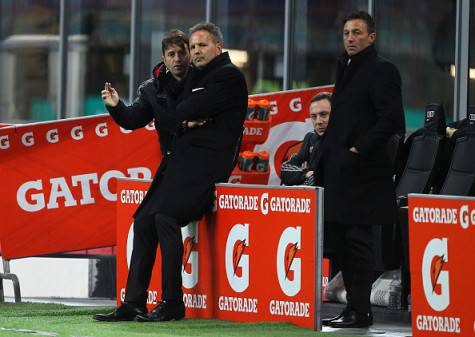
(58, 177)
(58, 182)
(257, 257)
(441, 237)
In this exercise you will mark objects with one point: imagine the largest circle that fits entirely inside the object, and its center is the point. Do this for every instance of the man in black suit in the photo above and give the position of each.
(355, 168)
(202, 118)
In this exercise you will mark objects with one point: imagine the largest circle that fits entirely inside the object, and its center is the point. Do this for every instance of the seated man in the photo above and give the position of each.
(296, 170)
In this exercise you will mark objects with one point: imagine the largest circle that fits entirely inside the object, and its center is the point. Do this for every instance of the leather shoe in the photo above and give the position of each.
(126, 312)
(352, 319)
(164, 311)
(327, 321)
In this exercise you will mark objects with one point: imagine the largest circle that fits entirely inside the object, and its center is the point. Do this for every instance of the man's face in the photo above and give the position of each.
(177, 60)
(319, 115)
(356, 36)
(203, 48)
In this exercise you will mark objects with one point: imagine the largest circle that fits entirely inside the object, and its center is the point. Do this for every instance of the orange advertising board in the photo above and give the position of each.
(257, 257)
(441, 238)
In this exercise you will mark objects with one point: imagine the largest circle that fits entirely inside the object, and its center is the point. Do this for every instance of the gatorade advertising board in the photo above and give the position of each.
(256, 257)
(442, 238)
(58, 177)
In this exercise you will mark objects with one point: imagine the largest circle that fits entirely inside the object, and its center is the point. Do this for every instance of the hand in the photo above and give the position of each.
(354, 150)
(449, 132)
(109, 95)
(308, 174)
(194, 124)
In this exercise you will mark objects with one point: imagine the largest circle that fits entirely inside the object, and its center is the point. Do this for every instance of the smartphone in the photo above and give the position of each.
(109, 88)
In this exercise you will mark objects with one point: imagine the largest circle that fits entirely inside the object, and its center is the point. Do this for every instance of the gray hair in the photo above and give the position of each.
(211, 28)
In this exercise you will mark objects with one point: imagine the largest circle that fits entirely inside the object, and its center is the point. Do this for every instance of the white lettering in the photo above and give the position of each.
(83, 180)
(60, 189)
(285, 308)
(38, 199)
(438, 324)
(237, 304)
(104, 184)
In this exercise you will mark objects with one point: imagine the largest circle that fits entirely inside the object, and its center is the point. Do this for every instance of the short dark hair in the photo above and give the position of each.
(362, 15)
(211, 28)
(174, 37)
(321, 96)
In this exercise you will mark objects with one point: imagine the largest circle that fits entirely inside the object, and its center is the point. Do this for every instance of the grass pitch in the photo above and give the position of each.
(38, 319)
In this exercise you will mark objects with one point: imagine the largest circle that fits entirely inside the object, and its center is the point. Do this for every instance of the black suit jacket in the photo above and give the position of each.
(366, 111)
(195, 159)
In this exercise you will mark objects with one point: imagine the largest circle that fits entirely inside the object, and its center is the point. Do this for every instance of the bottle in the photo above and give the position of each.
(262, 161)
(246, 161)
(263, 109)
(395, 290)
(251, 109)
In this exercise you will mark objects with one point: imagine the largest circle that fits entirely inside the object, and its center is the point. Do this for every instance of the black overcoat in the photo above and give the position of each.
(366, 111)
(197, 158)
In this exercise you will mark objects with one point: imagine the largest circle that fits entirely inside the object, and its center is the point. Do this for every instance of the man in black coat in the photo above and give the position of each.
(355, 168)
(298, 169)
(203, 125)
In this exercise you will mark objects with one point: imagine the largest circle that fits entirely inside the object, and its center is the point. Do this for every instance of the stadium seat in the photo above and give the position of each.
(460, 179)
(423, 173)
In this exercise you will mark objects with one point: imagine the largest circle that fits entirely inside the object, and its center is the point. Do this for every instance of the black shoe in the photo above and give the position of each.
(126, 312)
(352, 319)
(164, 311)
(327, 321)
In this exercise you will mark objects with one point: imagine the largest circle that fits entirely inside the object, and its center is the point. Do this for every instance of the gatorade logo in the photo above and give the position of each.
(435, 279)
(76, 133)
(289, 268)
(190, 255)
(52, 136)
(430, 114)
(295, 104)
(237, 261)
(471, 117)
(4, 142)
(27, 139)
(101, 130)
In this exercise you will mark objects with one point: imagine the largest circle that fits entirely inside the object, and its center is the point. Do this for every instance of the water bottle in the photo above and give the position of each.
(395, 290)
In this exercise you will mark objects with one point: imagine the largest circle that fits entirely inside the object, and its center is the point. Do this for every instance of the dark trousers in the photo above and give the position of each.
(353, 247)
(149, 231)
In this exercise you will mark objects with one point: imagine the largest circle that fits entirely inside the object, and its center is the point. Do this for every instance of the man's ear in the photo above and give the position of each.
(372, 37)
(219, 46)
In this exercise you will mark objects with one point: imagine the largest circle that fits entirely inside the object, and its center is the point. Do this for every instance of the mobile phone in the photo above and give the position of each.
(109, 88)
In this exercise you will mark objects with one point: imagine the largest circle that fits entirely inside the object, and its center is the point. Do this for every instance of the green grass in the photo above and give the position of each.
(66, 321)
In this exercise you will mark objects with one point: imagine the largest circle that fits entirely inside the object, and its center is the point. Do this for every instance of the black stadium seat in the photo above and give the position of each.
(460, 177)
(423, 173)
